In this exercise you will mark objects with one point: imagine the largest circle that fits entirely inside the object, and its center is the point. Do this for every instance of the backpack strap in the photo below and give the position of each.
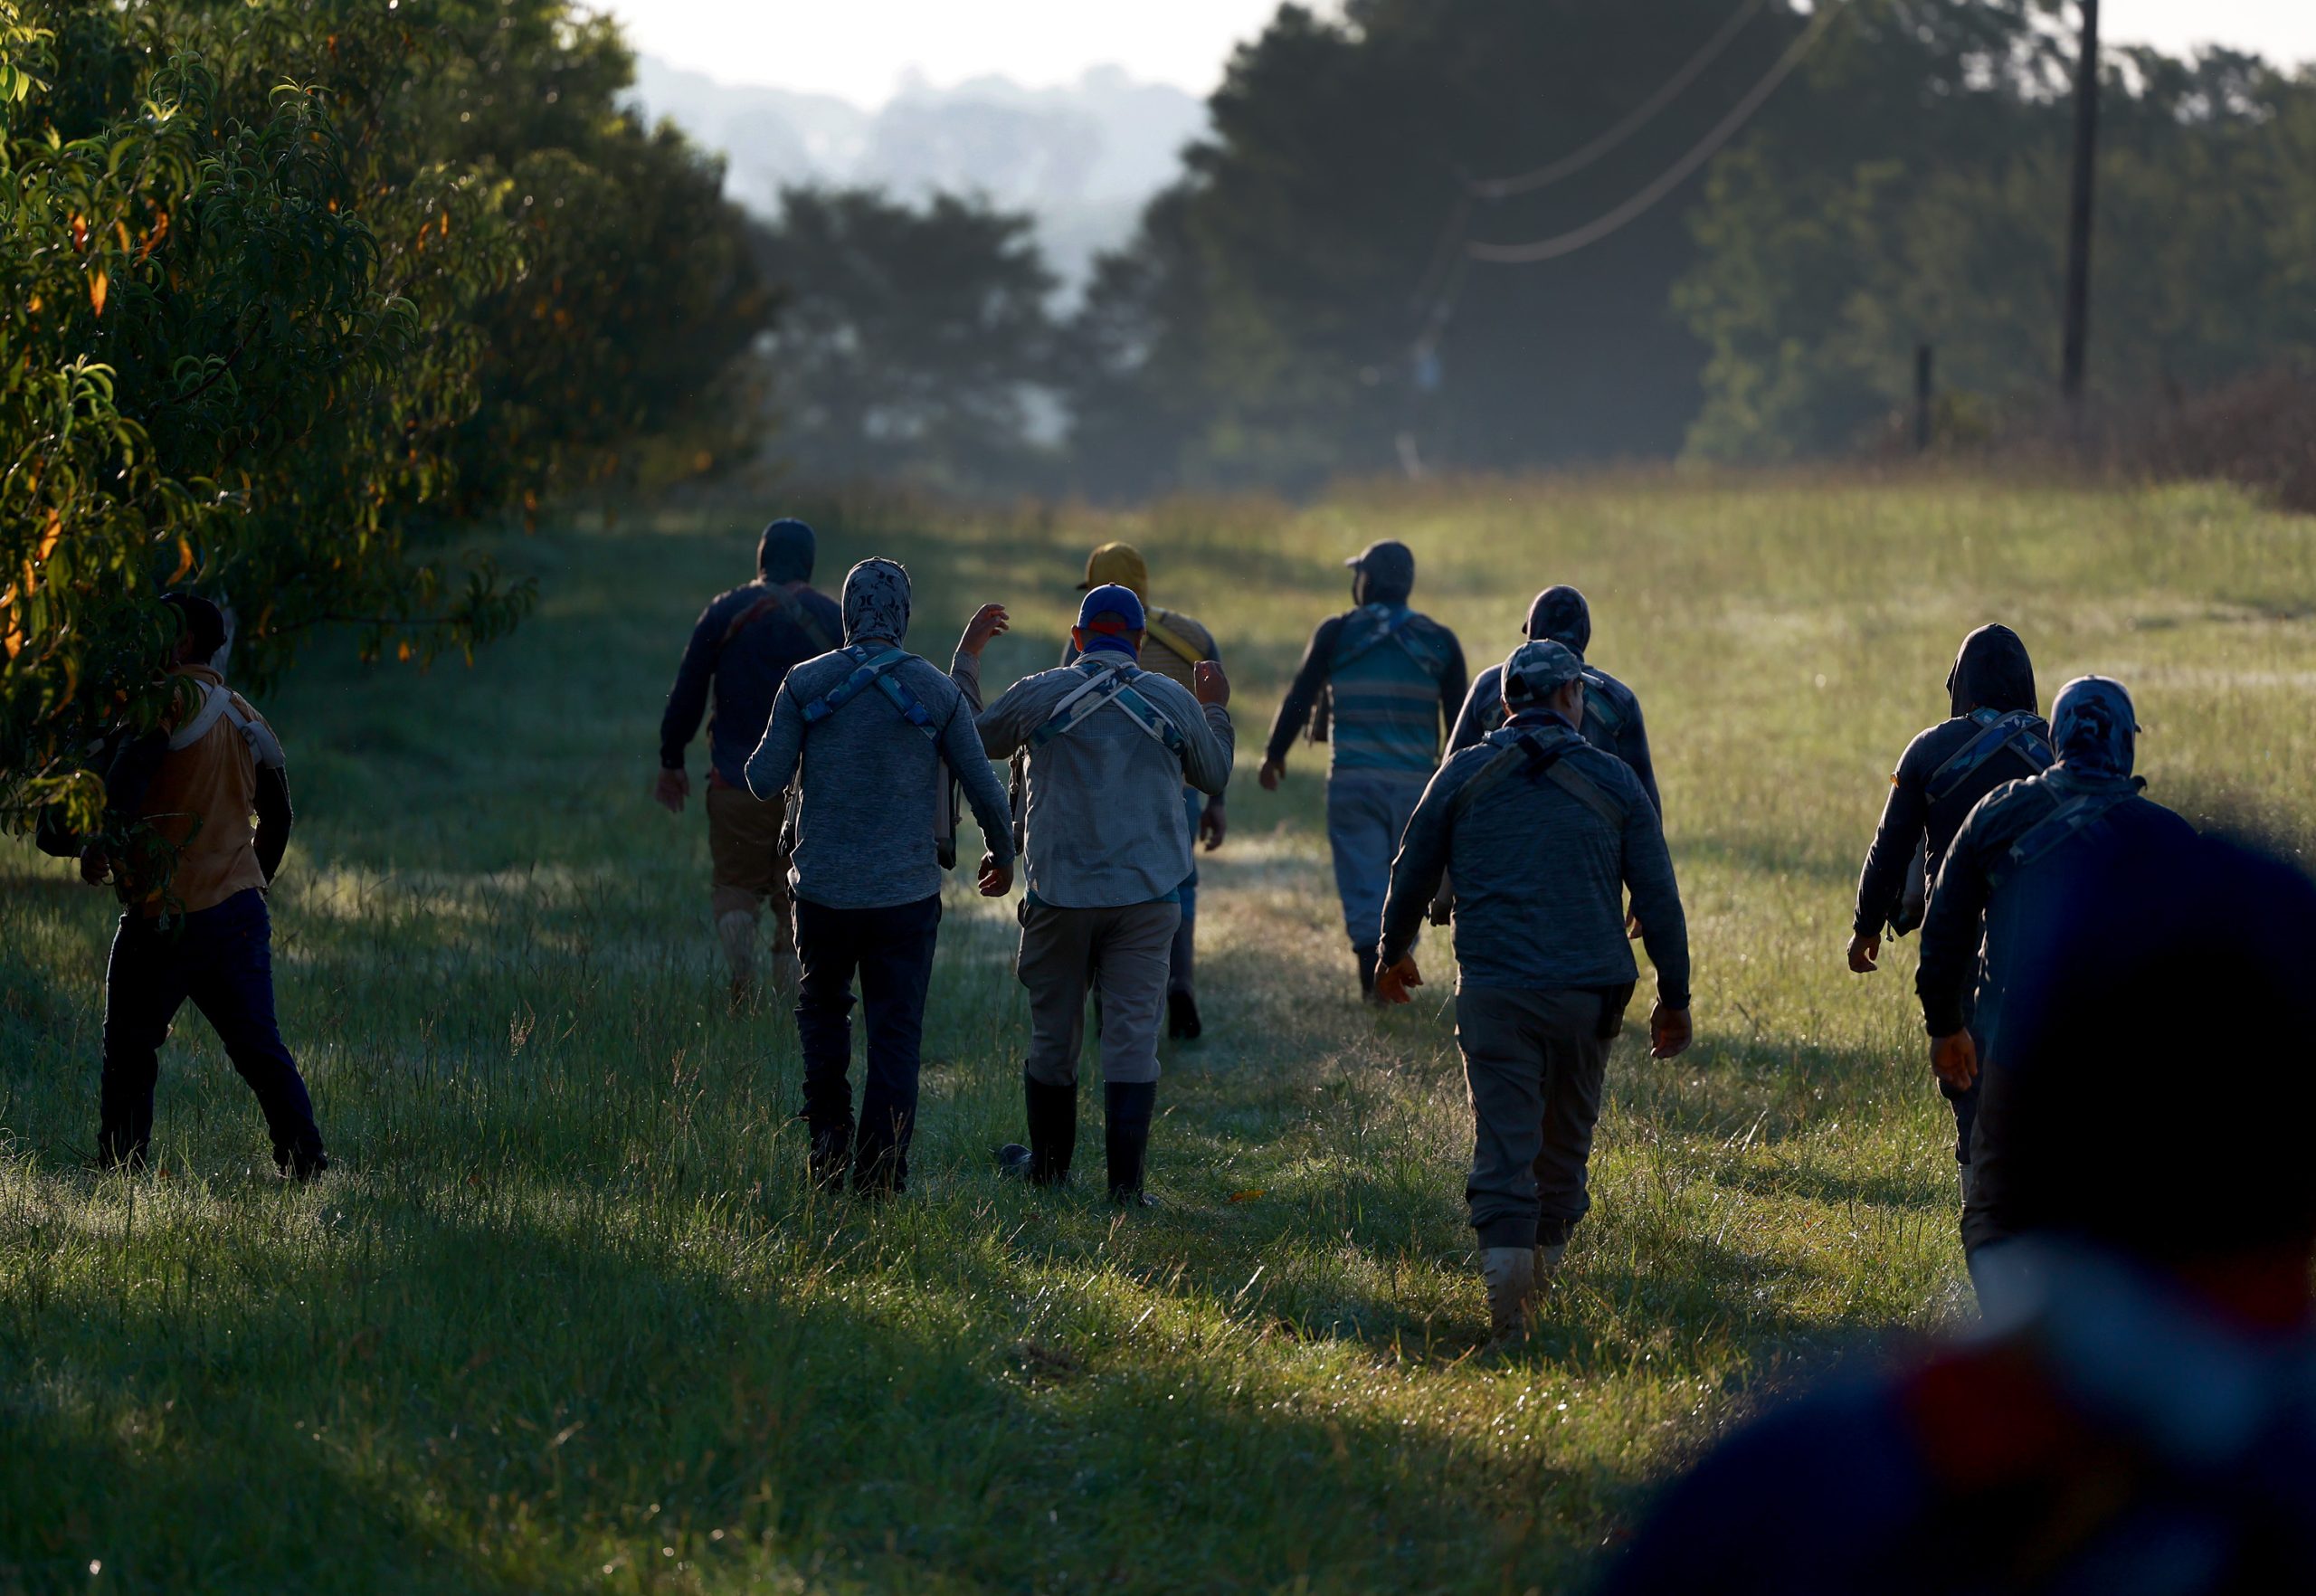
(2017, 731)
(1171, 641)
(219, 703)
(215, 701)
(912, 710)
(868, 669)
(1114, 684)
(1600, 708)
(2063, 825)
(777, 600)
(1374, 634)
(1527, 756)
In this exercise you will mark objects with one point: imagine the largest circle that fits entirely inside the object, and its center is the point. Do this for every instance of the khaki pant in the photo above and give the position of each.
(743, 853)
(1120, 953)
(1534, 1061)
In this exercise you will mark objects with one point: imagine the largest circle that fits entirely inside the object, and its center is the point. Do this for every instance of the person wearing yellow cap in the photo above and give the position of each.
(1176, 646)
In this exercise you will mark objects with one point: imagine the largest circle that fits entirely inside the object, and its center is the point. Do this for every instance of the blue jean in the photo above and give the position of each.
(222, 958)
(1367, 810)
(892, 950)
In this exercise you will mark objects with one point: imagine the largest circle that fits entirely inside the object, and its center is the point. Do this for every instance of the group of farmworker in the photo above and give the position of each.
(2144, 1406)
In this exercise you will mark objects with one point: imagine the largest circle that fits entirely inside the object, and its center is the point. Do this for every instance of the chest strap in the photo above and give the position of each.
(2019, 731)
(1374, 634)
(1113, 685)
(2070, 819)
(217, 703)
(873, 670)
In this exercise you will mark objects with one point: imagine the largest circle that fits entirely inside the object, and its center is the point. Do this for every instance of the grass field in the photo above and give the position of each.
(564, 1317)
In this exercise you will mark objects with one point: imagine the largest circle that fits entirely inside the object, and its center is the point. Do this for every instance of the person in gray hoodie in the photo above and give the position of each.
(1108, 846)
(1545, 833)
(872, 727)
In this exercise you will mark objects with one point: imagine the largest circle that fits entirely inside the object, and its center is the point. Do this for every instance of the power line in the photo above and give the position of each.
(1592, 232)
(1640, 116)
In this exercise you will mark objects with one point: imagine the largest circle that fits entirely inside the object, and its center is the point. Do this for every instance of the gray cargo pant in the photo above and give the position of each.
(1533, 1061)
(1120, 953)
(1367, 810)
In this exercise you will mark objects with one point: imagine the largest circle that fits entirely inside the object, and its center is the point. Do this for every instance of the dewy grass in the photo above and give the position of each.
(565, 1317)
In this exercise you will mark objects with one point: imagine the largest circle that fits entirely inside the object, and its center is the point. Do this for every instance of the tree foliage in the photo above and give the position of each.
(287, 288)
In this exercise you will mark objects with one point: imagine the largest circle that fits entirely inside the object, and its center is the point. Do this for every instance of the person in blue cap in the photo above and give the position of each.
(1384, 681)
(1544, 833)
(742, 649)
(2024, 843)
(1107, 846)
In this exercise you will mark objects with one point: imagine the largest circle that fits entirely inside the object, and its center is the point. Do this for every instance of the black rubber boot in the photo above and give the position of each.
(1126, 1134)
(1367, 957)
(831, 1157)
(1181, 1017)
(1053, 1134)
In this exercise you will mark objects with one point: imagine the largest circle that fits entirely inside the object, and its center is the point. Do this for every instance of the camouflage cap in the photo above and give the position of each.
(1536, 670)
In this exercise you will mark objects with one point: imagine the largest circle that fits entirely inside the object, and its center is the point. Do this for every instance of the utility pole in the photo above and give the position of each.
(2078, 214)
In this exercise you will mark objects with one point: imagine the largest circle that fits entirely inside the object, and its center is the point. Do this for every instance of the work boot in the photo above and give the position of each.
(1367, 957)
(301, 1164)
(736, 930)
(831, 1157)
(1181, 1017)
(1125, 1137)
(1548, 1255)
(1053, 1134)
(1510, 1276)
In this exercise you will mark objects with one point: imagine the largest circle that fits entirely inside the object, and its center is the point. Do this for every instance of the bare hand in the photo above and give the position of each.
(95, 867)
(1668, 1032)
(1392, 985)
(996, 879)
(673, 787)
(1269, 774)
(1865, 952)
(989, 621)
(1213, 826)
(1632, 927)
(1955, 1059)
(1209, 685)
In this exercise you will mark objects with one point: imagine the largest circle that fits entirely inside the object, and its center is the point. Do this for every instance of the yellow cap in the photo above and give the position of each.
(1120, 562)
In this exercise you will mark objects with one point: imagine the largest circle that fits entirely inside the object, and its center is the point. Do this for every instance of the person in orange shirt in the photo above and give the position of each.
(191, 885)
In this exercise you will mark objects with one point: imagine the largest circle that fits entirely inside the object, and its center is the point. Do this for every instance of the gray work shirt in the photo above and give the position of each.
(1107, 826)
(873, 791)
(1540, 873)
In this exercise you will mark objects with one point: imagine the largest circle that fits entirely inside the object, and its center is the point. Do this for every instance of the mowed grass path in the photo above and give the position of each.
(564, 1317)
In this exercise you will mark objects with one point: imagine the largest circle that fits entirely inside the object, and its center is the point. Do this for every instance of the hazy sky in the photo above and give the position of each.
(860, 50)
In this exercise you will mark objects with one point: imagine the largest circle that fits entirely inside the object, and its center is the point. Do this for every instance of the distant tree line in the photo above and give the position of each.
(290, 287)
(1296, 307)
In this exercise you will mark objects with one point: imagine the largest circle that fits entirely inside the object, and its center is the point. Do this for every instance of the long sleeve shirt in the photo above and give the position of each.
(1107, 826)
(1616, 728)
(1539, 872)
(1383, 724)
(742, 648)
(1913, 826)
(874, 799)
(1979, 929)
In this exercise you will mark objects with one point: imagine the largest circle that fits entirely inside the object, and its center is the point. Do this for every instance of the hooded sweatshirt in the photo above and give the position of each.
(1987, 897)
(1612, 718)
(874, 796)
(1991, 672)
(1391, 698)
(743, 644)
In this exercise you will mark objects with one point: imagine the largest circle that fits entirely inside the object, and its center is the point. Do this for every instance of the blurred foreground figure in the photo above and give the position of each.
(2139, 1417)
(742, 646)
(2026, 845)
(1543, 832)
(1109, 843)
(193, 922)
(873, 726)
(1176, 645)
(1612, 721)
(1381, 682)
(1993, 736)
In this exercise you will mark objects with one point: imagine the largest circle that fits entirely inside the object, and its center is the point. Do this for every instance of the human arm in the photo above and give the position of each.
(274, 819)
(1471, 720)
(1882, 881)
(1009, 723)
(1632, 747)
(126, 779)
(773, 766)
(1657, 901)
(961, 750)
(1954, 926)
(1455, 682)
(687, 695)
(1422, 860)
(1302, 693)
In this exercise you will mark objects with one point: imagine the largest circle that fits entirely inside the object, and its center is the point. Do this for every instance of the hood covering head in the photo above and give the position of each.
(1537, 670)
(1382, 574)
(876, 602)
(2091, 726)
(786, 553)
(1111, 614)
(1118, 565)
(1561, 614)
(1991, 671)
